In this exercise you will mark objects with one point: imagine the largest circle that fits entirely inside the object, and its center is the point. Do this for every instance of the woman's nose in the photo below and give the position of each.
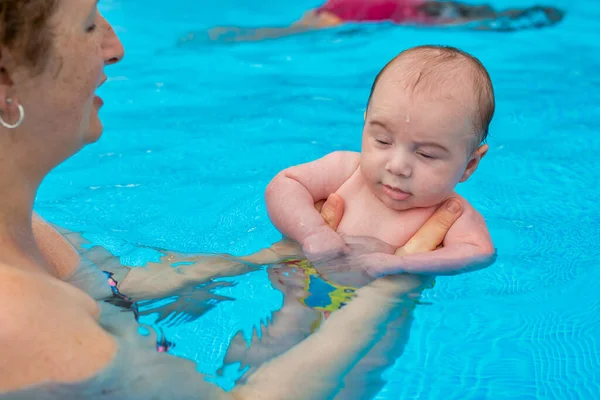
(111, 45)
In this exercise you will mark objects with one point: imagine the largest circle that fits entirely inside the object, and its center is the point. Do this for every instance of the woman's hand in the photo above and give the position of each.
(431, 235)
(360, 265)
(428, 238)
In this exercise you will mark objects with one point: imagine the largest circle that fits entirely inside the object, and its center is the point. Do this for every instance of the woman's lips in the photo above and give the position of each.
(98, 101)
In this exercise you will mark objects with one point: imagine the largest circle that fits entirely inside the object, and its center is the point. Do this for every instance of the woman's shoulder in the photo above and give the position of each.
(49, 330)
(59, 252)
(24, 292)
(19, 284)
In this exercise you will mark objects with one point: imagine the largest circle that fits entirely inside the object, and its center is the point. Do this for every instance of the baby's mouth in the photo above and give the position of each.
(395, 193)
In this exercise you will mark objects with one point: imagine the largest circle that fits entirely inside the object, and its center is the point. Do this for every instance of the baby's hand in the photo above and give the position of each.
(323, 243)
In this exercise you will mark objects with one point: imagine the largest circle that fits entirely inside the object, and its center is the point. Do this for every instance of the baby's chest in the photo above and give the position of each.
(365, 215)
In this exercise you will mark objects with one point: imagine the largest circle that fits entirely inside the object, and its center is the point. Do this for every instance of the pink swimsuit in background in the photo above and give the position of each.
(399, 11)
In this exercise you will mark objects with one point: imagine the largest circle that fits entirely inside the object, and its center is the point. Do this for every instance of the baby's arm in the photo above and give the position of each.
(466, 247)
(291, 196)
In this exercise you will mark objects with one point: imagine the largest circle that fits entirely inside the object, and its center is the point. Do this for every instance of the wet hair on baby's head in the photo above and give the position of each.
(428, 68)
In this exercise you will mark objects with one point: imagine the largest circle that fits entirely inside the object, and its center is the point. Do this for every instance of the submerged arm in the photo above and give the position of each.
(170, 271)
(310, 21)
(165, 273)
(162, 278)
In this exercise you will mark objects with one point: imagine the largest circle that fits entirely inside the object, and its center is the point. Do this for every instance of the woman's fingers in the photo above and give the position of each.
(333, 210)
(432, 233)
(319, 205)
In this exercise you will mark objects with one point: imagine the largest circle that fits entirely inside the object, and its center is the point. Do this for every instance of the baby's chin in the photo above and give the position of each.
(411, 202)
(397, 205)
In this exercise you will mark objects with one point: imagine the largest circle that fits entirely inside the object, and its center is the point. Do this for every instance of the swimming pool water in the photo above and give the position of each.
(194, 132)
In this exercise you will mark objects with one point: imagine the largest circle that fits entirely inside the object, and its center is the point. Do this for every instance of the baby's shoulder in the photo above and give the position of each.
(340, 164)
(470, 228)
(344, 157)
(471, 221)
(468, 209)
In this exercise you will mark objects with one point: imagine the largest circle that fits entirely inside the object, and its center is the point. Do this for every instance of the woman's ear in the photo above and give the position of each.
(6, 82)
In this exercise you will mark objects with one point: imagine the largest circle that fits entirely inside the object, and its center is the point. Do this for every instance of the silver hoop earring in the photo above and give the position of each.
(16, 124)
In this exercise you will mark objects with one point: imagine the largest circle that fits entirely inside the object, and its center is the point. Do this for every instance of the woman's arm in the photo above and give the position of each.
(467, 247)
(171, 271)
(310, 21)
(74, 347)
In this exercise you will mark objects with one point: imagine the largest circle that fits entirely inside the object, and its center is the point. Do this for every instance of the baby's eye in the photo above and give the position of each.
(380, 141)
(425, 155)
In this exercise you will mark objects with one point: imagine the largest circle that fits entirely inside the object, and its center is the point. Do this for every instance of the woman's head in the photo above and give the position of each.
(52, 58)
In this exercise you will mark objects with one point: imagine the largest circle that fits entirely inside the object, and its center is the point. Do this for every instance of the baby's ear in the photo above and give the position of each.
(474, 161)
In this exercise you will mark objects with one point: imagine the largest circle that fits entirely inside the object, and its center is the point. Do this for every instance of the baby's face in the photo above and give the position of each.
(416, 147)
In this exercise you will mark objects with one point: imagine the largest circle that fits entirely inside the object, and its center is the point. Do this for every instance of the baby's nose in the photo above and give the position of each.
(400, 166)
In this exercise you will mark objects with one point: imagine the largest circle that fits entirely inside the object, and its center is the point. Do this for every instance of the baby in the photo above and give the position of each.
(427, 117)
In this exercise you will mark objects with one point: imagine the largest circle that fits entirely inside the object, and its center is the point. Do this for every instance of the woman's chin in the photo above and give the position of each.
(94, 133)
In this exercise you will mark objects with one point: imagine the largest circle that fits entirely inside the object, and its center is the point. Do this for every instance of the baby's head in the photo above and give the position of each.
(427, 117)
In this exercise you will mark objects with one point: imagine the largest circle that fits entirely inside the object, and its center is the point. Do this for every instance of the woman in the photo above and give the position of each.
(62, 337)
(402, 12)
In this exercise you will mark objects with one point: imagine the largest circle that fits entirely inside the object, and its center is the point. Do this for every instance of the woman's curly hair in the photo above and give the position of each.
(25, 31)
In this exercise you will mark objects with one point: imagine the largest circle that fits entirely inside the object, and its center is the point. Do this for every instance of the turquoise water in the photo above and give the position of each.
(194, 133)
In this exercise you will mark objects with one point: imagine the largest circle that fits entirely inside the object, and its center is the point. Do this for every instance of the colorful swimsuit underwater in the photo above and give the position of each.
(321, 294)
